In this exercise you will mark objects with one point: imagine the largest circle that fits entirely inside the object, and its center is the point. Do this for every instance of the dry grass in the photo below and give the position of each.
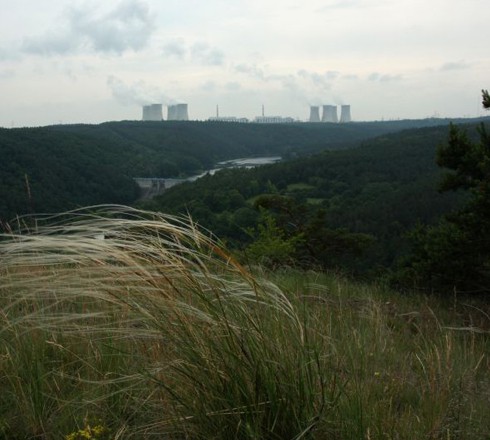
(141, 324)
(143, 319)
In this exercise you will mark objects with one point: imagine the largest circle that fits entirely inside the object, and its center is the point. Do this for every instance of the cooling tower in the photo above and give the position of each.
(314, 113)
(329, 113)
(152, 112)
(177, 112)
(171, 113)
(345, 113)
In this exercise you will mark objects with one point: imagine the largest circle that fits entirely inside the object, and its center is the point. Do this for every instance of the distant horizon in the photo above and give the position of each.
(251, 121)
(89, 62)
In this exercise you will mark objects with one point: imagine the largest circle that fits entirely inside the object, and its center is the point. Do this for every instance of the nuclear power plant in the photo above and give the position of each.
(152, 112)
(314, 113)
(177, 112)
(345, 113)
(329, 113)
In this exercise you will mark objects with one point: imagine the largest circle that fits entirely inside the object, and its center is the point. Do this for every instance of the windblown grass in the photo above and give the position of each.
(144, 321)
(140, 324)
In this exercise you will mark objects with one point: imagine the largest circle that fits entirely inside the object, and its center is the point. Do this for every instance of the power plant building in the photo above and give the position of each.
(227, 119)
(177, 112)
(152, 112)
(329, 113)
(345, 114)
(314, 113)
(273, 120)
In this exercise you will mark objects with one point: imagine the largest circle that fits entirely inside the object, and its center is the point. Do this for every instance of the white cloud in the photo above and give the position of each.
(199, 52)
(207, 55)
(386, 77)
(127, 26)
(454, 65)
(137, 93)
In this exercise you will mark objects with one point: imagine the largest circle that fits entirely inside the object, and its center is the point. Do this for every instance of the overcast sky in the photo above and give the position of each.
(93, 61)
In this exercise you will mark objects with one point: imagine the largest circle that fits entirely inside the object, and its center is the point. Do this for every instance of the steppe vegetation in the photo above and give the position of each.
(117, 323)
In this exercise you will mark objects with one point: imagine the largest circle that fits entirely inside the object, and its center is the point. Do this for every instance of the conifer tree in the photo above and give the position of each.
(455, 254)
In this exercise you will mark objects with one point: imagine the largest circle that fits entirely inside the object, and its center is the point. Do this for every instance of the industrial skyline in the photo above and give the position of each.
(179, 112)
(87, 61)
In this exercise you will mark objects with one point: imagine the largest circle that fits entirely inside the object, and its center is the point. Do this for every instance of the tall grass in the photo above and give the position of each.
(140, 323)
(142, 320)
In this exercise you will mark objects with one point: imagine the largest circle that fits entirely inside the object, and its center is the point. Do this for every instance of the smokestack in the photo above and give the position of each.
(329, 113)
(152, 112)
(314, 113)
(345, 113)
(177, 112)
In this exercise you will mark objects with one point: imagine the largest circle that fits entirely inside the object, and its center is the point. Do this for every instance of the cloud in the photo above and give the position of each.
(137, 93)
(376, 76)
(233, 86)
(304, 85)
(128, 26)
(207, 55)
(340, 4)
(5, 74)
(458, 65)
(176, 48)
(8, 54)
(321, 80)
(200, 52)
(251, 70)
(208, 86)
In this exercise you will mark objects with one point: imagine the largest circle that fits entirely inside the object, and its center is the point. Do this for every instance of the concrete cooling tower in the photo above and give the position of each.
(345, 113)
(314, 113)
(177, 112)
(329, 113)
(152, 112)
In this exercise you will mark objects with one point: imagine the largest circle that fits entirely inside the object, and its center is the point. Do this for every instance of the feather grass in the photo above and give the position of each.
(140, 316)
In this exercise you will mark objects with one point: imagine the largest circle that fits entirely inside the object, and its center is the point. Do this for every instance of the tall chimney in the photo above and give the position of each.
(345, 113)
(329, 113)
(314, 113)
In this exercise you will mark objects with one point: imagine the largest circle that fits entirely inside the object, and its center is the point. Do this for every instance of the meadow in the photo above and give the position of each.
(117, 323)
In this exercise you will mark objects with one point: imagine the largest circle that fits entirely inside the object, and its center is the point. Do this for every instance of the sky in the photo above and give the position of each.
(88, 61)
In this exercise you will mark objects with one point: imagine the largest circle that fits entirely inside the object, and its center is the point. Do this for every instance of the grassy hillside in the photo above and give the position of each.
(156, 332)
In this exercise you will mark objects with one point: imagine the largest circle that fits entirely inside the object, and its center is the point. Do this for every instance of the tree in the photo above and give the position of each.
(486, 99)
(294, 233)
(455, 254)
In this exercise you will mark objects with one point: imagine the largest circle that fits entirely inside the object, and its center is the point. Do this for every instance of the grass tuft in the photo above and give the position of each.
(143, 326)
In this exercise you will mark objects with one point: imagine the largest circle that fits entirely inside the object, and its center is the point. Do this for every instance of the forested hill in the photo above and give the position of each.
(187, 147)
(60, 167)
(42, 170)
(383, 188)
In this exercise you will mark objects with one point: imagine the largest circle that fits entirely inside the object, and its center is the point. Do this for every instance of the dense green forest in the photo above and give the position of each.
(45, 171)
(381, 189)
(65, 166)
(345, 196)
(174, 147)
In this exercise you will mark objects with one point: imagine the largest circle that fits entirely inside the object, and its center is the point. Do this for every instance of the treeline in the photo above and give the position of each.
(182, 148)
(61, 167)
(45, 171)
(378, 191)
